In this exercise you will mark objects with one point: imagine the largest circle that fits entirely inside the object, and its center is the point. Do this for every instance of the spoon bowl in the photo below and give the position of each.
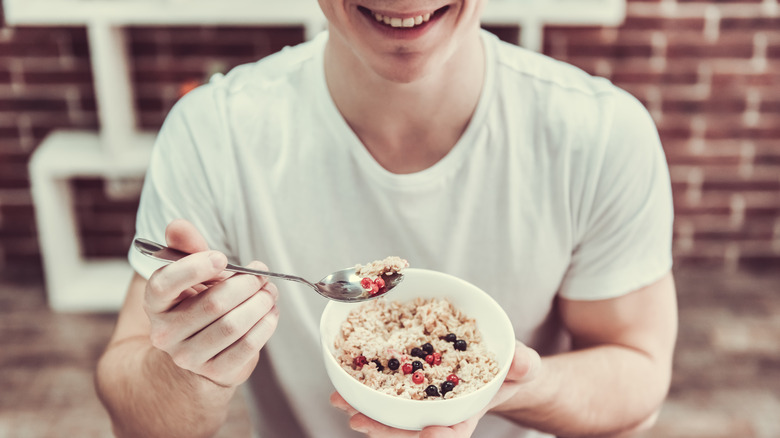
(343, 285)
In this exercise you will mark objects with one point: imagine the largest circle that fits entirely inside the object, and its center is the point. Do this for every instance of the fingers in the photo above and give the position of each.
(230, 325)
(337, 401)
(526, 364)
(166, 284)
(229, 366)
(361, 423)
(183, 235)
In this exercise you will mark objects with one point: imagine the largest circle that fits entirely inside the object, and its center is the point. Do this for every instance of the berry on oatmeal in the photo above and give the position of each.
(393, 364)
(407, 368)
(432, 391)
(418, 377)
(460, 345)
(359, 361)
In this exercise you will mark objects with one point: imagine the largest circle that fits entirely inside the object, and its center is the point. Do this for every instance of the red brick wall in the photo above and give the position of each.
(709, 72)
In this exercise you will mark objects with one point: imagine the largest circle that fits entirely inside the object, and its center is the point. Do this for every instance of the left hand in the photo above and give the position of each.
(525, 367)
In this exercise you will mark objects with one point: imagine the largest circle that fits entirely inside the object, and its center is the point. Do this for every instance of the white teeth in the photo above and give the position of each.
(402, 22)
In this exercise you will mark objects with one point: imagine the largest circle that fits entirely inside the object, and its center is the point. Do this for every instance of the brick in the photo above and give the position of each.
(722, 229)
(721, 127)
(768, 263)
(508, 33)
(691, 45)
(767, 152)
(83, 77)
(671, 24)
(14, 173)
(750, 24)
(32, 104)
(716, 103)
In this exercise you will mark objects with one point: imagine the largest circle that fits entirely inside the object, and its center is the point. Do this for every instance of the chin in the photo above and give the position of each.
(405, 71)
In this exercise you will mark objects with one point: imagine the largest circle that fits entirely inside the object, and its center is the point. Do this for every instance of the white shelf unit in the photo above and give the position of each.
(117, 151)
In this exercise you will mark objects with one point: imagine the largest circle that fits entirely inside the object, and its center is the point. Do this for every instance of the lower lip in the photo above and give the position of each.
(402, 33)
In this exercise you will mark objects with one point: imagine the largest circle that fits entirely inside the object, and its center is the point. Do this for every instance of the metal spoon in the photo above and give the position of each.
(341, 285)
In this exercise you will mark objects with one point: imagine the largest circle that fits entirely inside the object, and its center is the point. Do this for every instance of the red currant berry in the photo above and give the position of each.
(359, 361)
(429, 359)
(437, 358)
(373, 289)
(407, 368)
(366, 283)
(418, 377)
(453, 378)
(379, 282)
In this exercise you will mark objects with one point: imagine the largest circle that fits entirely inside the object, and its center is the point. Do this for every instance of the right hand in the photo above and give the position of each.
(211, 322)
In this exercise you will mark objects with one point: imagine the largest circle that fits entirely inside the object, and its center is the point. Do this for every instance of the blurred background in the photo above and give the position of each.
(84, 84)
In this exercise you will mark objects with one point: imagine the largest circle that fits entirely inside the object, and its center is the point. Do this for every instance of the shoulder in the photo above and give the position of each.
(277, 74)
(547, 74)
(564, 94)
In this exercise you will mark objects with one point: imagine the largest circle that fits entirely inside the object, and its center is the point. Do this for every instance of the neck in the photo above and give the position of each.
(407, 125)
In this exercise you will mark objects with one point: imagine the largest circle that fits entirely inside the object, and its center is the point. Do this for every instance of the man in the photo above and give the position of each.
(405, 130)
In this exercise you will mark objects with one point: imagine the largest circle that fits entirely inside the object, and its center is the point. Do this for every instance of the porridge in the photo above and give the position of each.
(374, 275)
(420, 349)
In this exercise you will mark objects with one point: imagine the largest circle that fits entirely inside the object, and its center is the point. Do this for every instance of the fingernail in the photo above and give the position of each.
(217, 259)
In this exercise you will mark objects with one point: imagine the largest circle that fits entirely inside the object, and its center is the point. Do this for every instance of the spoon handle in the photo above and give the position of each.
(169, 255)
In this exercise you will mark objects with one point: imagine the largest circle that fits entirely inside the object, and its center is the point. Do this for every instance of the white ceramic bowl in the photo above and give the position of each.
(497, 335)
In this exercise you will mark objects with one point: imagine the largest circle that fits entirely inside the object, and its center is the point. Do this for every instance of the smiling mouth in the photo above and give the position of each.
(406, 22)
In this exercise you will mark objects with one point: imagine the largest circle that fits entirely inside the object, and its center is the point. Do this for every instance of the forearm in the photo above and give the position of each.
(146, 394)
(599, 391)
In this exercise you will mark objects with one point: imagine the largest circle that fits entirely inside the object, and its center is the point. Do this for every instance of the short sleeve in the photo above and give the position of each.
(179, 183)
(624, 228)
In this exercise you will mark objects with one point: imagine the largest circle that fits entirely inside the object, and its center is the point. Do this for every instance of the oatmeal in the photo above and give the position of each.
(421, 349)
(375, 274)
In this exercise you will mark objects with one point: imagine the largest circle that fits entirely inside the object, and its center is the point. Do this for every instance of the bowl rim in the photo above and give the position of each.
(502, 372)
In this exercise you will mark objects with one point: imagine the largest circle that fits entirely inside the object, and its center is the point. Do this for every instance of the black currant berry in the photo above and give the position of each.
(450, 337)
(416, 365)
(460, 344)
(379, 366)
(446, 387)
(432, 391)
(393, 364)
(416, 352)
(427, 347)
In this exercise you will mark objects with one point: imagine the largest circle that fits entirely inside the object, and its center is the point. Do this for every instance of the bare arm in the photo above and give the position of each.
(619, 374)
(144, 391)
(183, 342)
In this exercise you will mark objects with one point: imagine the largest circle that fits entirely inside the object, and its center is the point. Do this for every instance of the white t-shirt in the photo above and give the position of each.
(558, 187)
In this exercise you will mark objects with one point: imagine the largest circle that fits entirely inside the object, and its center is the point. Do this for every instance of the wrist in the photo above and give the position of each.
(160, 366)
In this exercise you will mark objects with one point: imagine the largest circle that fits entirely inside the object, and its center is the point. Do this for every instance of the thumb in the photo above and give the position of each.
(182, 235)
(526, 364)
